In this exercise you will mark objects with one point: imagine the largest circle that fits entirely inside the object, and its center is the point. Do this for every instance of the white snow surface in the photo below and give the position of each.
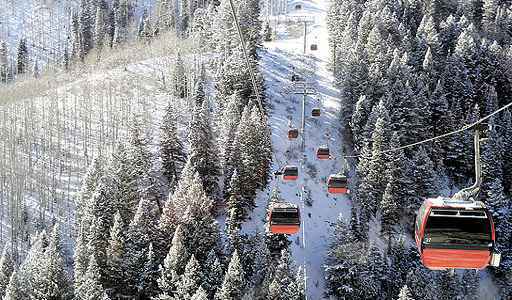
(309, 246)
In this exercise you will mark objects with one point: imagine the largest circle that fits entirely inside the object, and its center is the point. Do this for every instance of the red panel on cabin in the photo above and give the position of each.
(290, 177)
(284, 229)
(440, 259)
(337, 190)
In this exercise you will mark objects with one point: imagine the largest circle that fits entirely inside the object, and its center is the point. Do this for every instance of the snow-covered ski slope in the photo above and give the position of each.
(309, 246)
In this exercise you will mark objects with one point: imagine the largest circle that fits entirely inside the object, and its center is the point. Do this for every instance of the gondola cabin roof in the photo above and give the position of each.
(290, 168)
(447, 202)
(337, 177)
(283, 206)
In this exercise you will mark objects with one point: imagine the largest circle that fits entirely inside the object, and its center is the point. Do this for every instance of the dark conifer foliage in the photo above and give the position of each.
(22, 57)
(433, 66)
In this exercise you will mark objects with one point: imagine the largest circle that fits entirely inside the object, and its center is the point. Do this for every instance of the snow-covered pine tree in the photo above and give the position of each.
(234, 283)
(15, 289)
(114, 278)
(200, 294)
(397, 170)
(235, 204)
(263, 140)
(141, 233)
(492, 157)
(405, 294)
(22, 58)
(389, 209)
(203, 149)
(261, 259)
(373, 183)
(184, 19)
(198, 220)
(174, 265)
(4, 62)
(147, 285)
(251, 26)
(51, 281)
(507, 151)
(213, 275)
(174, 210)
(171, 147)
(359, 119)
(91, 288)
(76, 36)
(26, 280)
(81, 258)
(427, 182)
(228, 127)
(86, 25)
(101, 213)
(100, 25)
(447, 286)
(191, 280)
(138, 154)
(122, 173)
(251, 159)
(121, 22)
(198, 94)
(35, 71)
(375, 272)
(298, 288)
(283, 285)
(267, 34)
(470, 285)
(200, 31)
(6, 270)
(180, 78)
(224, 38)
(166, 15)
(89, 184)
(343, 257)
(421, 283)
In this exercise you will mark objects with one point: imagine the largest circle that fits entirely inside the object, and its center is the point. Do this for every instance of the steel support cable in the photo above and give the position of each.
(247, 61)
(464, 128)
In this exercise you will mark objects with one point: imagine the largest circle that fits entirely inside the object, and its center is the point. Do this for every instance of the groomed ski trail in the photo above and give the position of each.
(309, 246)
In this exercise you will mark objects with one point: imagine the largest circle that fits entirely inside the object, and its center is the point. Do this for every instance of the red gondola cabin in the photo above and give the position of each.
(454, 234)
(290, 173)
(337, 184)
(323, 153)
(315, 112)
(293, 133)
(284, 218)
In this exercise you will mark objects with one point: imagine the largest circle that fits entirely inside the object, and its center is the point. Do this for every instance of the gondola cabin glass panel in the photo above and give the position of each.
(284, 219)
(451, 235)
(337, 184)
(290, 173)
(315, 112)
(293, 133)
(323, 153)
